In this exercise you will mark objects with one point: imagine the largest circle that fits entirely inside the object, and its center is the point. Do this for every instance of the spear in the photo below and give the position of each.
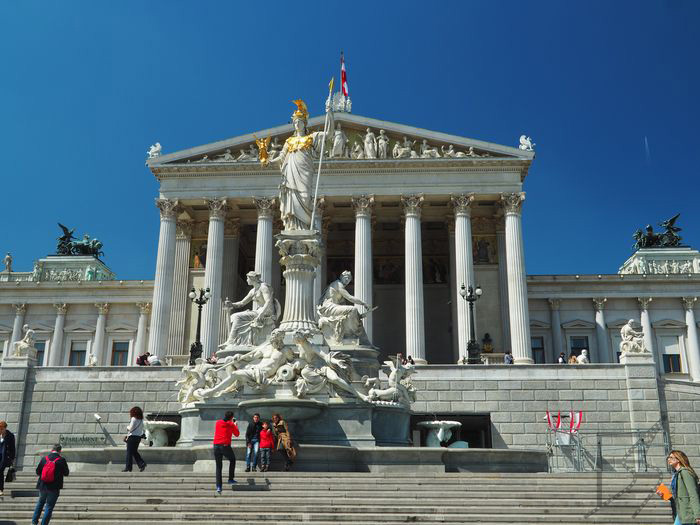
(320, 160)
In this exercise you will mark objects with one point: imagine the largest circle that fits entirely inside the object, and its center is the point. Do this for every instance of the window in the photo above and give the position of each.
(672, 363)
(78, 349)
(40, 351)
(537, 344)
(120, 353)
(578, 343)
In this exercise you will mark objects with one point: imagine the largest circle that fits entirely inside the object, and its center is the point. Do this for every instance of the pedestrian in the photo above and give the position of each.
(223, 430)
(508, 358)
(410, 361)
(7, 452)
(284, 440)
(562, 359)
(142, 360)
(267, 443)
(685, 503)
(573, 360)
(51, 470)
(252, 443)
(135, 433)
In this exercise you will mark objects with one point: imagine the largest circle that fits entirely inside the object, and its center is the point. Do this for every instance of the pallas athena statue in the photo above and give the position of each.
(296, 161)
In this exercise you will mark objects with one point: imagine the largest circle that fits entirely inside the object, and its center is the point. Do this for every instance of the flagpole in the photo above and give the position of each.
(323, 147)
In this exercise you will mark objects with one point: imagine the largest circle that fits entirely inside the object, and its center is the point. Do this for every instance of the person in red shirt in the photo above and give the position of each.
(222, 447)
(267, 443)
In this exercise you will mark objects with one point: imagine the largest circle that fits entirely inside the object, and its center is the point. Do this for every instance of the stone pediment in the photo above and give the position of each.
(402, 143)
(578, 323)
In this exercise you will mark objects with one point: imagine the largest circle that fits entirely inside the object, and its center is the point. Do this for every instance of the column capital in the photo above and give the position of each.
(168, 208)
(363, 204)
(265, 206)
(184, 228)
(462, 204)
(554, 304)
(61, 308)
(644, 302)
(102, 308)
(688, 302)
(232, 227)
(599, 303)
(144, 308)
(217, 208)
(20, 309)
(512, 202)
(412, 204)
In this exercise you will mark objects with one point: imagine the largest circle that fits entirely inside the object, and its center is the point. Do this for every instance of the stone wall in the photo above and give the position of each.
(681, 401)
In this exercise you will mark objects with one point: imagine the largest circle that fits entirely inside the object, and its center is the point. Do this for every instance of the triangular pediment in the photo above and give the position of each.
(402, 143)
(578, 323)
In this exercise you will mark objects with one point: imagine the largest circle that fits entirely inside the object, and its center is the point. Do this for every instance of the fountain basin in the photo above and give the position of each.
(438, 431)
(156, 432)
(290, 409)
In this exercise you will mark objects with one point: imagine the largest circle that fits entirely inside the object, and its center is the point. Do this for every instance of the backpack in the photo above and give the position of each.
(48, 473)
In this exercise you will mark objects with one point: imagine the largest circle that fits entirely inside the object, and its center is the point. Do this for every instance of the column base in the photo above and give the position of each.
(523, 361)
(419, 361)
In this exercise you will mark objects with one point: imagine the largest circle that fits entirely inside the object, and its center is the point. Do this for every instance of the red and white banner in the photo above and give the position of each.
(343, 76)
(575, 419)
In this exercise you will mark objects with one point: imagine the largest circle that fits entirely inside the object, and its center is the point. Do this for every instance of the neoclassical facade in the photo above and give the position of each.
(414, 214)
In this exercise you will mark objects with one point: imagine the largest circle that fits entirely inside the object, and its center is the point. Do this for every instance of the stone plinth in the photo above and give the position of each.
(300, 253)
(662, 261)
(71, 268)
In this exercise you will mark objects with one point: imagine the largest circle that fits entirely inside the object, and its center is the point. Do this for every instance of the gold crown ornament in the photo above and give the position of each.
(302, 112)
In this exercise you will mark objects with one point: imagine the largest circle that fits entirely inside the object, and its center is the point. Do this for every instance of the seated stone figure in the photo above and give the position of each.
(632, 339)
(342, 323)
(25, 346)
(270, 356)
(400, 390)
(252, 327)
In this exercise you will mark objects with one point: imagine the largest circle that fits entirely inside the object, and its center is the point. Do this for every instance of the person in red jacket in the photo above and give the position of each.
(222, 447)
(267, 443)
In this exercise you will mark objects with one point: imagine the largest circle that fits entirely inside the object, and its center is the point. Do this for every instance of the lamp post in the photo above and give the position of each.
(201, 300)
(473, 350)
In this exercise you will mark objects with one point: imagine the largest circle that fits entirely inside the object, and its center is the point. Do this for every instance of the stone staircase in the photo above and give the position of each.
(358, 498)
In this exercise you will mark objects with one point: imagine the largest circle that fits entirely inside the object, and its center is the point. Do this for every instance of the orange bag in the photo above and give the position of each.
(665, 492)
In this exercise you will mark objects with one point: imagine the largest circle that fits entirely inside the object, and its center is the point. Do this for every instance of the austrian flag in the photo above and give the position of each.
(343, 76)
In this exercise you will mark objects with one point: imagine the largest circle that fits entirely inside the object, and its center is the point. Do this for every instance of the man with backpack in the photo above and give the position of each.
(51, 470)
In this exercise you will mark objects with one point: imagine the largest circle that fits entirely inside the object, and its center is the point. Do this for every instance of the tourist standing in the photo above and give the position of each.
(7, 452)
(562, 359)
(51, 470)
(135, 433)
(252, 443)
(267, 443)
(684, 489)
(508, 358)
(223, 430)
(284, 440)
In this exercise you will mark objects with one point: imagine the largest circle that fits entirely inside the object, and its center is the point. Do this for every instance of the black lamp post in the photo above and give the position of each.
(196, 347)
(473, 349)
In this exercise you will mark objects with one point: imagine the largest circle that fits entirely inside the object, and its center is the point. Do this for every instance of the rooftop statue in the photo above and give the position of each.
(296, 161)
(155, 150)
(382, 144)
(370, 141)
(68, 246)
(667, 239)
(7, 261)
(339, 149)
(526, 143)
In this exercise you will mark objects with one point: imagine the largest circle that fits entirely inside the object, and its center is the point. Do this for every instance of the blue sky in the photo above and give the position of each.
(88, 86)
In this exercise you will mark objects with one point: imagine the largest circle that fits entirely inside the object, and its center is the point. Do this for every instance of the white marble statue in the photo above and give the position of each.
(357, 152)
(339, 149)
(198, 377)
(155, 150)
(91, 359)
(25, 346)
(7, 261)
(526, 143)
(400, 390)
(632, 339)
(275, 147)
(583, 358)
(427, 151)
(340, 321)
(321, 371)
(403, 149)
(227, 156)
(156, 434)
(370, 142)
(382, 145)
(251, 327)
(263, 364)
(296, 161)
(449, 153)
(243, 156)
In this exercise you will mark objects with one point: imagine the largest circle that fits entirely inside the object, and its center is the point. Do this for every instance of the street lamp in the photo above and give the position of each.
(196, 347)
(473, 350)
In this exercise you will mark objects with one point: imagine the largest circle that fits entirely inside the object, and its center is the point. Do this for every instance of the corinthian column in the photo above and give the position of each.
(454, 294)
(163, 285)
(54, 358)
(464, 266)
(644, 303)
(142, 328)
(601, 331)
(20, 310)
(183, 238)
(232, 231)
(363, 255)
(554, 305)
(263, 240)
(693, 343)
(517, 286)
(415, 328)
(98, 343)
(503, 285)
(213, 275)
